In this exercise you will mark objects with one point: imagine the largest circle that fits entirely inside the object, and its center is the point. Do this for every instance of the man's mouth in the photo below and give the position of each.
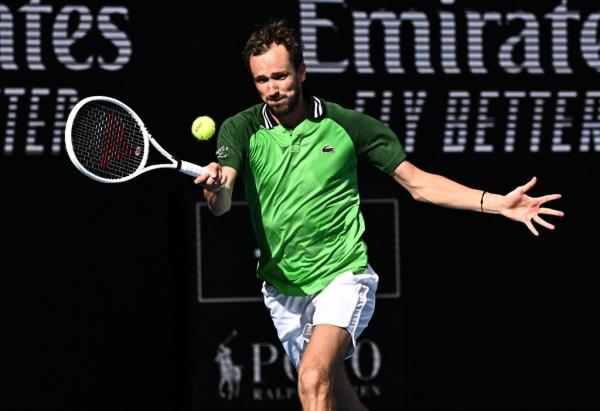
(276, 100)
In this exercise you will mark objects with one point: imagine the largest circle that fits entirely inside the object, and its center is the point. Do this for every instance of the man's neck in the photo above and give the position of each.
(295, 117)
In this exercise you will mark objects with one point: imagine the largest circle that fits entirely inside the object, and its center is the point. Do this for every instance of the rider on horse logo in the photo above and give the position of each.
(231, 374)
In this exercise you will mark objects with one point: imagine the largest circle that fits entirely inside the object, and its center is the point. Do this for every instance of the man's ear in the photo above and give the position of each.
(302, 71)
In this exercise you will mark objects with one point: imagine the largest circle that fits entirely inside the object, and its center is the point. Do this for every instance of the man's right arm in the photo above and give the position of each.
(218, 187)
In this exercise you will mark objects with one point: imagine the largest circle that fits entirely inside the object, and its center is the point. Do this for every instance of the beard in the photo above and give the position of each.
(281, 109)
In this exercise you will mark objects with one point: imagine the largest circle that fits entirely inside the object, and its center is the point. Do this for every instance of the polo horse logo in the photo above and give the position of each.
(231, 374)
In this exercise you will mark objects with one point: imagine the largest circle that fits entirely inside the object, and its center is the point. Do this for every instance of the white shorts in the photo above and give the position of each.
(347, 302)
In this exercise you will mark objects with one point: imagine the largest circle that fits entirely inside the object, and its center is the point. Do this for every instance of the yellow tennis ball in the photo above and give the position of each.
(203, 127)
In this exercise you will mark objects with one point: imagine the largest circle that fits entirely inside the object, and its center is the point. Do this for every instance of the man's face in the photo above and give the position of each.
(278, 83)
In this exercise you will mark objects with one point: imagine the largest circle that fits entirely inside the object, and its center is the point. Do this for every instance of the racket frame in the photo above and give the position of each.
(182, 166)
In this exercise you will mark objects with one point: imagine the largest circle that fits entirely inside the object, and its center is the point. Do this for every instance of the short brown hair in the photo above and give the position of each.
(274, 31)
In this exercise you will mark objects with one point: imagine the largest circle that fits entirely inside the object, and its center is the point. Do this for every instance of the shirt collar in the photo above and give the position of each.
(316, 111)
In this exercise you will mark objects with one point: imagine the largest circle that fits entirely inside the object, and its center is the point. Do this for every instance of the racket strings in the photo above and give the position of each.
(107, 140)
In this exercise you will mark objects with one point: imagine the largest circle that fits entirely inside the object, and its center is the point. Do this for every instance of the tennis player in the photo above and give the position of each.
(297, 155)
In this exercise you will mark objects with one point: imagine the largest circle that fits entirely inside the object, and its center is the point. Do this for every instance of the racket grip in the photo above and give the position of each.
(191, 169)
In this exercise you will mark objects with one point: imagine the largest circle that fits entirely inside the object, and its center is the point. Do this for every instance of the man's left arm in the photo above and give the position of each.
(437, 189)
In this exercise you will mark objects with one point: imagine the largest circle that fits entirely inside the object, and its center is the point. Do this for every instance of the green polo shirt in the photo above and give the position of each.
(301, 187)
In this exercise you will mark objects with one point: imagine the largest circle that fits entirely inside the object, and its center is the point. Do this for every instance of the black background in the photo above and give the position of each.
(101, 311)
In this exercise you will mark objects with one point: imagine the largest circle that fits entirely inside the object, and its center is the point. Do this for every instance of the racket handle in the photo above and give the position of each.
(191, 169)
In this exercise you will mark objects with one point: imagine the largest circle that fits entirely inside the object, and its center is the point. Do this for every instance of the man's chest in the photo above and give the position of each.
(322, 155)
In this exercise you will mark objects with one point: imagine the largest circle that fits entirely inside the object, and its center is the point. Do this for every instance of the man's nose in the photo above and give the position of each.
(272, 88)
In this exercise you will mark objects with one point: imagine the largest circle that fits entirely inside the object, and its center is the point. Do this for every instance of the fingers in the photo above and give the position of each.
(215, 185)
(529, 225)
(543, 223)
(550, 197)
(212, 170)
(224, 179)
(528, 185)
(551, 211)
(539, 220)
(213, 179)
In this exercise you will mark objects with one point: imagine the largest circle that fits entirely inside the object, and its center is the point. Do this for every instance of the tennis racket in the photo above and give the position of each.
(108, 142)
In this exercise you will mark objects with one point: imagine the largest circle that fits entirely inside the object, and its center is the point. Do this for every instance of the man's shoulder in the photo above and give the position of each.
(248, 119)
(340, 113)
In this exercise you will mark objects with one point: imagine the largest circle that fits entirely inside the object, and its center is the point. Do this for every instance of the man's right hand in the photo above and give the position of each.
(212, 179)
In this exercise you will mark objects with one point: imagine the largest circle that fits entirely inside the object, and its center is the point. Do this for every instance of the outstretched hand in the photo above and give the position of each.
(521, 207)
